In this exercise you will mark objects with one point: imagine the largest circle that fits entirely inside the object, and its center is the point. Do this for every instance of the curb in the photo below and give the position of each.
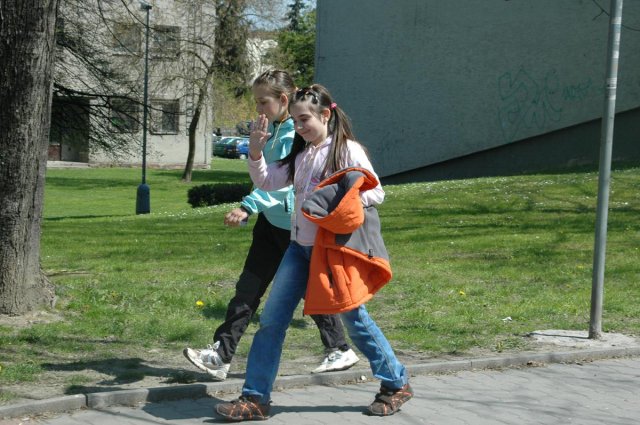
(195, 391)
(58, 404)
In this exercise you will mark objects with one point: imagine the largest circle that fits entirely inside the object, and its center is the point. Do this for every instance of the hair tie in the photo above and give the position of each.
(333, 105)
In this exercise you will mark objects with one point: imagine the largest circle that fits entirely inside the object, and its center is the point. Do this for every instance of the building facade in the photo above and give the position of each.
(98, 104)
(467, 88)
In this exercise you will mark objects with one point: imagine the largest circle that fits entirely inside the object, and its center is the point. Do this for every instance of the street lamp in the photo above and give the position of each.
(143, 203)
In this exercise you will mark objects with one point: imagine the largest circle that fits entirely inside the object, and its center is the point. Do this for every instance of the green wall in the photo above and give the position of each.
(427, 82)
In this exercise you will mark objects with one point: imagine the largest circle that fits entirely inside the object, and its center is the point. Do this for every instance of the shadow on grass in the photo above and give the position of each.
(78, 183)
(78, 217)
(208, 176)
(593, 167)
(215, 311)
(100, 183)
(585, 168)
(124, 371)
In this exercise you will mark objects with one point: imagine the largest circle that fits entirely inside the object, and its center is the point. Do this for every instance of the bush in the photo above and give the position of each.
(212, 194)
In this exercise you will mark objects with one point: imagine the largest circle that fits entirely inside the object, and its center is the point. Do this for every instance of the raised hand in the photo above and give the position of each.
(258, 136)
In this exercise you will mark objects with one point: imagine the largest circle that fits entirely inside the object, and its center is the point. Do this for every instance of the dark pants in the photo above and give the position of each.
(266, 251)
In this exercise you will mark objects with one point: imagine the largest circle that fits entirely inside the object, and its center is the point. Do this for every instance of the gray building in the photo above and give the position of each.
(98, 117)
(460, 88)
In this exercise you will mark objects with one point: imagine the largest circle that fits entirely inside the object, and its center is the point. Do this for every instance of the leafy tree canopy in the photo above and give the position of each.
(296, 48)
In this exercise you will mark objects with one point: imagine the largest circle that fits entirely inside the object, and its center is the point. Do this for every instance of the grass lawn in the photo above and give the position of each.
(466, 255)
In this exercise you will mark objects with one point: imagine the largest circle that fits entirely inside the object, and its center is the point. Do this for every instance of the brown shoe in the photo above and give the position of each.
(245, 408)
(388, 401)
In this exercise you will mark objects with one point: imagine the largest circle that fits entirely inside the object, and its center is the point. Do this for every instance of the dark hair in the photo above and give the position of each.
(277, 82)
(339, 126)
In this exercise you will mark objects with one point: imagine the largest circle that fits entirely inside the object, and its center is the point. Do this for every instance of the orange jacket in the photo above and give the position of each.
(349, 262)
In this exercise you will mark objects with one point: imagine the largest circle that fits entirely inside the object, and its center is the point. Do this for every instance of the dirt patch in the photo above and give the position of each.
(29, 319)
(80, 373)
(155, 368)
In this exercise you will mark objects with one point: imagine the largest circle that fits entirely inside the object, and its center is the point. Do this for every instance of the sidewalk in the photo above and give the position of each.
(543, 388)
(602, 392)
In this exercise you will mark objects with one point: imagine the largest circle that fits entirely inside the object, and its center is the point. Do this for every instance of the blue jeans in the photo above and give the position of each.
(288, 288)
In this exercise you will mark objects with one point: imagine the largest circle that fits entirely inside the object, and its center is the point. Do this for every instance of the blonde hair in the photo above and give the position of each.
(277, 82)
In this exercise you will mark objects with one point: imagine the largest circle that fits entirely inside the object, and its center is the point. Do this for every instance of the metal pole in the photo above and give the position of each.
(143, 204)
(604, 177)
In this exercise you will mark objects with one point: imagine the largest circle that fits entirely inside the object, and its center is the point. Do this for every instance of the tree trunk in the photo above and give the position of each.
(193, 126)
(26, 56)
(188, 168)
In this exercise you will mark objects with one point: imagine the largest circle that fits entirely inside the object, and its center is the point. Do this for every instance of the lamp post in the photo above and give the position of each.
(143, 203)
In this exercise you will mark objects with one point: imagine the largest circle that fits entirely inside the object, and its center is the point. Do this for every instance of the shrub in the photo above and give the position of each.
(212, 194)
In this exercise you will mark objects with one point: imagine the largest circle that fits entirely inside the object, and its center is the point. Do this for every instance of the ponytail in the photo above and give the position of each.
(339, 128)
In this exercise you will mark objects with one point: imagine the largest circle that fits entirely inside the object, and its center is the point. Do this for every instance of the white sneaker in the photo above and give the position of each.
(337, 360)
(208, 360)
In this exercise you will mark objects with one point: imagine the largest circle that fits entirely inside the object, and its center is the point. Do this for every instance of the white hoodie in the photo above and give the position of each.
(309, 165)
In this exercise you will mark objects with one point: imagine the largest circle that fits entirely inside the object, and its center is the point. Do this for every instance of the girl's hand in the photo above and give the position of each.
(235, 217)
(258, 137)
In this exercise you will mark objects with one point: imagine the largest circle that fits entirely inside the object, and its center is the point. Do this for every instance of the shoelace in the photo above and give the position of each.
(332, 356)
(207, 354)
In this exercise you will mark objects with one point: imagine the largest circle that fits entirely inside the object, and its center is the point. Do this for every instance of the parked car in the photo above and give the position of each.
(238, 148)
(243, 128)
(243, 149)
(218, 147)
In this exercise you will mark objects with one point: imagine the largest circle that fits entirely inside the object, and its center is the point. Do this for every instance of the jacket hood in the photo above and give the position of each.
(349, 262)
(331, 204)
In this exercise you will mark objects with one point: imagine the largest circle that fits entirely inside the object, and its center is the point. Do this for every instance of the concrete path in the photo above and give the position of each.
(598, 392)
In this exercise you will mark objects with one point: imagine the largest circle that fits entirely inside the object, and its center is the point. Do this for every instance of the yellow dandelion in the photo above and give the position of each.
(199, 303)
(462, 293)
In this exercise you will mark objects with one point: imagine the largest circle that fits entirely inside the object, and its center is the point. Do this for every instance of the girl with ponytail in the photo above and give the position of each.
(324, 144)
(271, 236)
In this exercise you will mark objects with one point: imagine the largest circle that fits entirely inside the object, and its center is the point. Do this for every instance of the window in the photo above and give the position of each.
(165, 116)
(125, 115)
(165, 41)
(127, 38)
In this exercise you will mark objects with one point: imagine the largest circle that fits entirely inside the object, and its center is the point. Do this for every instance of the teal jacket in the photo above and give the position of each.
(275, 205)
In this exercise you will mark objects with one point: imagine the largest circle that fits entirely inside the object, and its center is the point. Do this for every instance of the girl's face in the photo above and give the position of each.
(308, 124)
(274, 108)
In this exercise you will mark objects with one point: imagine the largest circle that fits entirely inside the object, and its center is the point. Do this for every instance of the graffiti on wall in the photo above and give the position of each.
(528, 104)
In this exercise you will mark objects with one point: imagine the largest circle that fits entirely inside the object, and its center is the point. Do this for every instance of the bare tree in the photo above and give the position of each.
(229, 61)
(207, 44)
(100, 69)
(90, 80)
(26, 56)
(106, 67)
